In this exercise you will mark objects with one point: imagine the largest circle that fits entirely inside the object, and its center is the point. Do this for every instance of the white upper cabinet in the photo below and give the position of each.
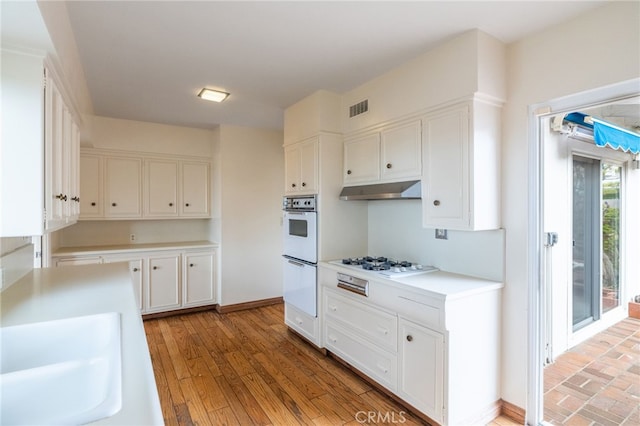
(125, 185)
(400, 151)
(91, 198)
(39, 188)
(195, 189)
(461, 160)
(161, 188)
(390, 154)
(362, 159)
(301, 167)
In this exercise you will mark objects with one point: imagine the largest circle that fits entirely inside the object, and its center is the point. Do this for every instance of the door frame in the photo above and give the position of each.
(535, 238)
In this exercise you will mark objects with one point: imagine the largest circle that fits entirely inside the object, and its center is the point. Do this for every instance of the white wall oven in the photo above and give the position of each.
(300, 253)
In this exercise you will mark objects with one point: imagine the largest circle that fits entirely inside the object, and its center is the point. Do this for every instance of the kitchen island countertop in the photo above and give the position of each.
(56, 293)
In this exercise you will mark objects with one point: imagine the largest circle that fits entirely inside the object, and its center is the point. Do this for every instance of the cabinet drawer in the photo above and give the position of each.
(303, 323)
(379, 327)
(376, 363)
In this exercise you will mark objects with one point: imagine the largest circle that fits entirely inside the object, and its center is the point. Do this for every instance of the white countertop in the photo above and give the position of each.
(56, 293)
(438, 284)
(129, 248)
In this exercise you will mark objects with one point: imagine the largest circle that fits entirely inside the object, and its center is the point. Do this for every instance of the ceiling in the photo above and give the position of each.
(147, 60)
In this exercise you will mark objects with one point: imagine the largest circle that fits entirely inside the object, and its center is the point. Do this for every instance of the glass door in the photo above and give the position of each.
(586, 242)
(596, 239)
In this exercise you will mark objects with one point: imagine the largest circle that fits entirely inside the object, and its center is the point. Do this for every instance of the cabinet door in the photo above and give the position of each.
(309, 167)
(401, 152)
(195, 190)
(56, 198)
(161, 188)
(136, 266)
(421, 363)
(163, 283)
(135, 269)
(445, 188)
(198, 285)
(123, 185)
(292, 169)
(91, 205)
(74, 172)
(362, 160)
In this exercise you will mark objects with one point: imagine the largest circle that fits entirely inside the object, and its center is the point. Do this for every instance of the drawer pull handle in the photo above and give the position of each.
(334, 308)
(135, 269)
(383, 369)
(409, 338)
(333, 339)
(383, 330)
(436, 202)
(389, 165)
(298, 320)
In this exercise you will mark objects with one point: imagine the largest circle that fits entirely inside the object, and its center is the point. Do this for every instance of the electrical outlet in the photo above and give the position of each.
(132, 237)
(441, 234)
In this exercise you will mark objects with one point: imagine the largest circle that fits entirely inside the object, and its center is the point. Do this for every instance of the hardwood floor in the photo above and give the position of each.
(246, 368)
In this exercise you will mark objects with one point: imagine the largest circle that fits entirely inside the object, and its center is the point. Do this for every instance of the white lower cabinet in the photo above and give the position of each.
(163, 290)
(421, 364)
(439, 351)
(163, 280)
(198, 278)
(306, 325)
(376, 363)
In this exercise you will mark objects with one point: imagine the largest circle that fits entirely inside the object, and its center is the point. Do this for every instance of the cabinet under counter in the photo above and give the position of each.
(436, 336)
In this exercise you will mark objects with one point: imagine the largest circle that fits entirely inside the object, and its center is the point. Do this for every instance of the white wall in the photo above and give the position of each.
(469, 63)
(395, 231)
(247, 212)
(599, 48)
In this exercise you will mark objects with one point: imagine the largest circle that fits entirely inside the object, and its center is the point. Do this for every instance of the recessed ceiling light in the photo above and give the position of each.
(213, 95)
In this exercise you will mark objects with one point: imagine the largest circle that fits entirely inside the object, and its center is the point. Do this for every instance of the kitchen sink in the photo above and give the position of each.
(66, 371)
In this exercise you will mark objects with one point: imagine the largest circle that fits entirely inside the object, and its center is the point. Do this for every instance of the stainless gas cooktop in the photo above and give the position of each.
(384, 266)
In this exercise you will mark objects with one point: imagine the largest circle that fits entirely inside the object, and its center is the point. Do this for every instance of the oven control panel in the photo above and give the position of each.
(306, 203)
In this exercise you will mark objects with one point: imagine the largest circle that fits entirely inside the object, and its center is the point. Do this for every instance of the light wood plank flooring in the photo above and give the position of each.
(246, 368)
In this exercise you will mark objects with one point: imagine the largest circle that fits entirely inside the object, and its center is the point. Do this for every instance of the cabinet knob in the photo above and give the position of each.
(348, 172)
(155, 267)
(409, 338)
(135, 269)
(61, 197)
(93, 204)
(191, 265)
(436, 202)
(187, 204)
(389, 165)
(293, 185)
(170, 204)
(113, 204)
(304, 184)
(76, 199)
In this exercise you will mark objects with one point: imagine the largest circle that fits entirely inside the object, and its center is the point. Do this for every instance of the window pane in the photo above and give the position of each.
(611, 186)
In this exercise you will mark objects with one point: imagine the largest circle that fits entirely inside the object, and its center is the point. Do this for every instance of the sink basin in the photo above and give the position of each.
(61, 372)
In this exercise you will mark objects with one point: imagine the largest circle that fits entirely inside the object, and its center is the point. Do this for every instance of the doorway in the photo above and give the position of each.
(588, 255)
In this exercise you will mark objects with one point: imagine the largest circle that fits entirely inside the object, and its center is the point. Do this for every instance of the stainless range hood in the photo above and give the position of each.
(383, 191)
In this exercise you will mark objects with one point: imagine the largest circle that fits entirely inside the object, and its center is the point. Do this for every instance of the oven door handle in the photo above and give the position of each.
(293, 262)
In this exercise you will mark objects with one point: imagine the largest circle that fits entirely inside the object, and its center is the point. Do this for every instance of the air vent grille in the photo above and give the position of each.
(359, 108)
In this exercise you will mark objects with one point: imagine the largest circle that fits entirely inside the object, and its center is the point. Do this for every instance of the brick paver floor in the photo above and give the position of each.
(598, 381)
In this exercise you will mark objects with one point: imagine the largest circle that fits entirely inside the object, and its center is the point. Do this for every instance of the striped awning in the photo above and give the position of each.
(606, 134)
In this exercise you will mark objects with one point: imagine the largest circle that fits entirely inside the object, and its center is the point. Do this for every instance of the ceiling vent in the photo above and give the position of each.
(359, 108)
